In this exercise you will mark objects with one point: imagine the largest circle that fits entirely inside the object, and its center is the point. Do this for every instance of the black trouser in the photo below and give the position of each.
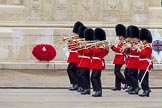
(85, 75)
(133, 76)
(126, 74)
(145, 82)
(96, 80)
(80, 81)
(119, 78)
(71, 70)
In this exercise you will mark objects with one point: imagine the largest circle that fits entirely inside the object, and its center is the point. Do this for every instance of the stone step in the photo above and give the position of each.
(52, 65)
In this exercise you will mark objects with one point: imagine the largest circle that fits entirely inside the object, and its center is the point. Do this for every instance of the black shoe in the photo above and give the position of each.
(80, 89)
(129, 89)
(97, 94)
(145, 93)
(74, 87)
(135, 91)
(116, 88)
(86, 91)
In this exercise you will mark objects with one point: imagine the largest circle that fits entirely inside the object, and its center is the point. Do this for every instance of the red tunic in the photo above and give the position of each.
(80, 54)
(133, 59)
(85, 59)
(98, 58)
(119, 57)
(145, 57)
(73, 56)
(126, 58)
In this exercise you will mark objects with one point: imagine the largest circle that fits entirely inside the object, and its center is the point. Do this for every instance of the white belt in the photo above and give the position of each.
(133, 56)
(118, 53)
(74, 51)
(84, 57)
(103, 63)
(142, 59)
(96, 58)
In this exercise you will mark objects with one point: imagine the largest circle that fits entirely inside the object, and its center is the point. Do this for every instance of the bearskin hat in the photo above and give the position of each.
(134, 32)
(76, 26)
(81, 31)
(89, 34)
(145, 34)
(99, 34)
(128, 31)
(120, 30)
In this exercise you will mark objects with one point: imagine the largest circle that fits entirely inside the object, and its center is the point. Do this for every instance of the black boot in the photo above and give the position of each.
(116, 88)
(74, 87)
(97, 94)
(135, 91)
(145, 93)
(86, 91)
(129, 89)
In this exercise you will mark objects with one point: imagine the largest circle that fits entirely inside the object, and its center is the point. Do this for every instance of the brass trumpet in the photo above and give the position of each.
(126, 46)
(132, 45)
(69, 37)
(84, 44)
(88, 44)
(80, 40)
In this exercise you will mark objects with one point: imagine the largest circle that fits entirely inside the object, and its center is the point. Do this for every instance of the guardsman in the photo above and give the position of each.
(128, 86)
(72, 59)
(145, 60)
(119, 57)
(85, 62)
(80, 54)
(98, 62)
(133, 60)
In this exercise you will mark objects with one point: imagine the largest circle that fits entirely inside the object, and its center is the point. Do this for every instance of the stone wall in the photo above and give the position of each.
(25, 23)
(105, 11)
